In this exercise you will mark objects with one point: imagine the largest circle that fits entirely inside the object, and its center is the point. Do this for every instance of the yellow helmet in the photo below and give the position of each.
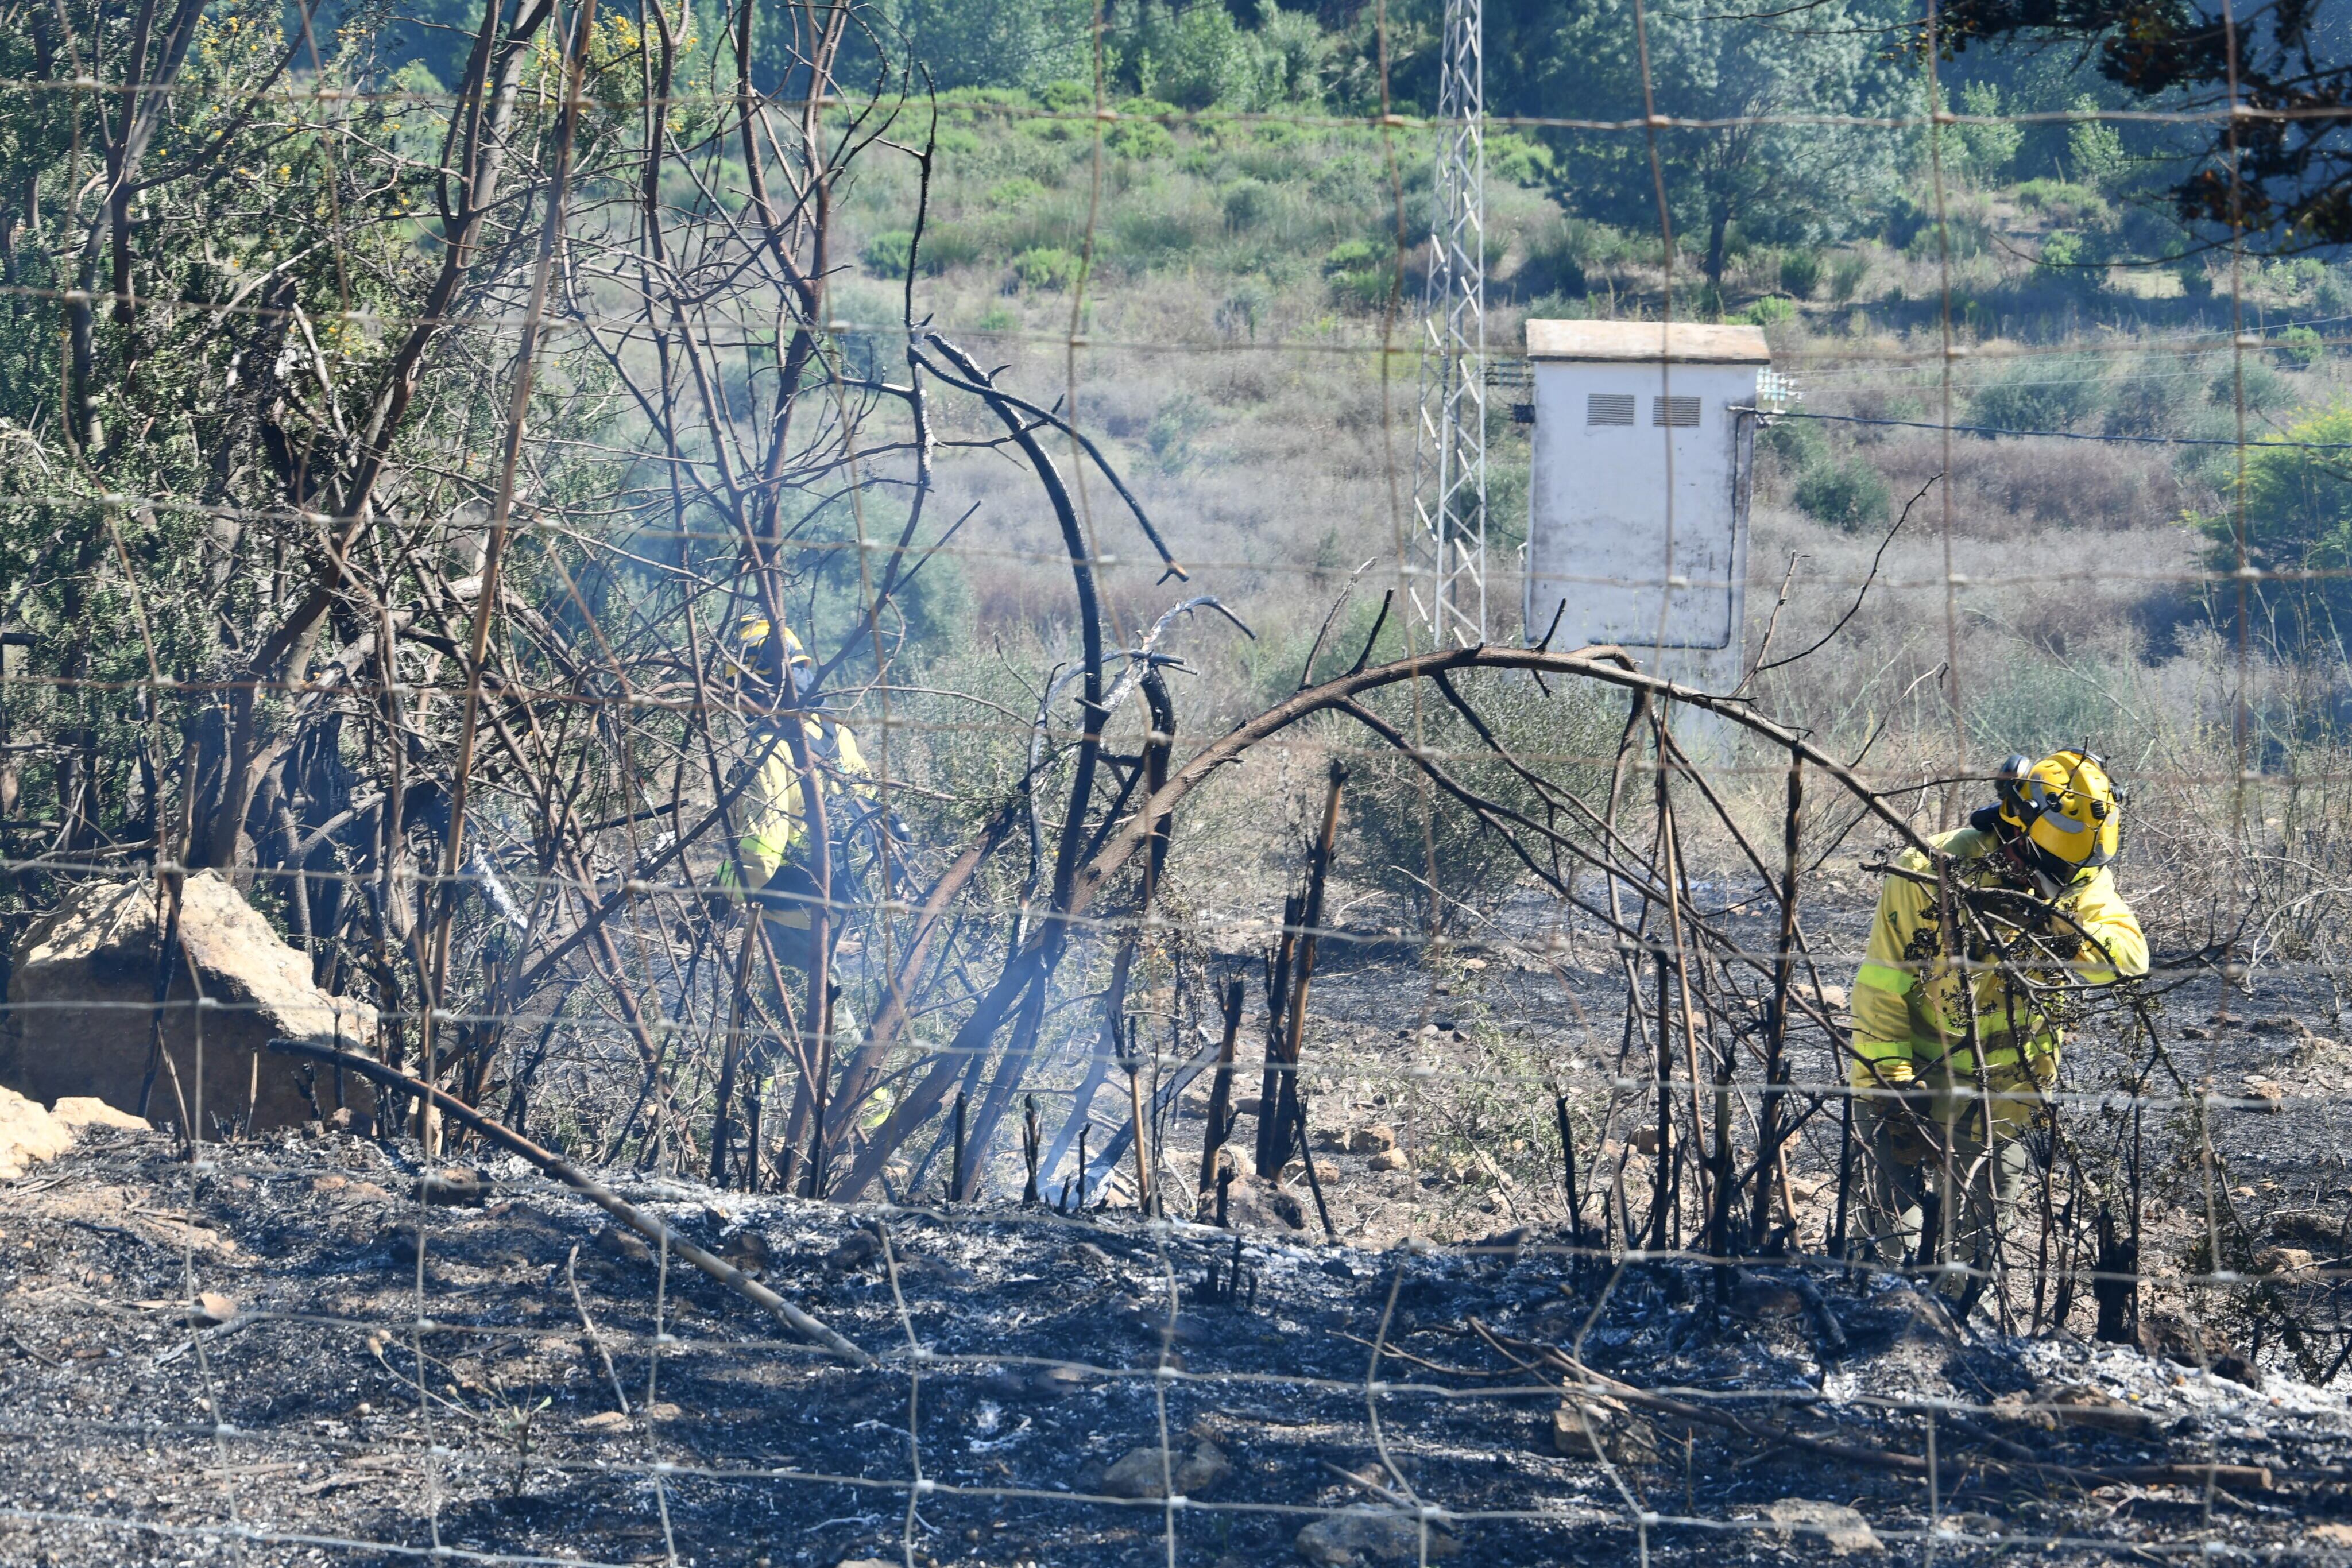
(750, 655)
(2064, 814)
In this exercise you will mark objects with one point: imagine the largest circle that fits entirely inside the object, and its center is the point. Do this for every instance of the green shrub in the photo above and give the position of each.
(1801, 273)
(1518, 160)
(2064, 201)
(2061, 255)
(2153, 402)
(1850, 495)
(1193, 55)
(1846, 273)
(949, 244)
(2035, 705)
(2265, 389)
(1959, 236)
(1140, 141)
(2300, 348)
(1246, 202)
(1170, 433)
(2298, 516)
(1361, 271)
(1046, 267)
(1244, 308)
(1770, 312)
(1293, 56)
(2073, 259)
(944, 245)
(2037, 394)
(886, 254)
(965, 46)
(959, 141)
(1155, 231)
(1563, 255)
(1018, 192)
(1796, 443)
(1556, 276)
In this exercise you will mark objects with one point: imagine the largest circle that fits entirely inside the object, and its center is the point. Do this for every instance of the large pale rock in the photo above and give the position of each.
(80, 1015)
(28, 1134)
(75, 1112)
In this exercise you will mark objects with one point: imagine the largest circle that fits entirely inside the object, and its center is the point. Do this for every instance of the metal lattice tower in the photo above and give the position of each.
(1448, 583)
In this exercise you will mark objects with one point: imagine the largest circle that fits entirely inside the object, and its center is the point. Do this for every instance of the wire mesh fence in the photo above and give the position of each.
(548, 667)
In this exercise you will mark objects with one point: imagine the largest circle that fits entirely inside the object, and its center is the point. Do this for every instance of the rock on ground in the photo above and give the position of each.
(1362, 1534)
(1595, 1426)
(1255, 1204)
(27, 1134)
(1141, 1474)
(75, 1112)
(1846, 1530)
(81, 1013)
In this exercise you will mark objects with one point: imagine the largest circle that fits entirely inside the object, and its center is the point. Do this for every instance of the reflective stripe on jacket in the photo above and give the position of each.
(1907, 1014)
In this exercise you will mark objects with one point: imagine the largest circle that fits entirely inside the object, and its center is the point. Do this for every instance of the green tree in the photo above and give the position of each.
(2094, 149)
(1195, 55)
(1774, 181)
(1988, 146)
(2298, 518)
(2286, 177)
(1025, 44)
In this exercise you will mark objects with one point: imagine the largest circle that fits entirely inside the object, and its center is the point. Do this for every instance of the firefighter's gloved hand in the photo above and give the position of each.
(1887, 1073)
(899, 833)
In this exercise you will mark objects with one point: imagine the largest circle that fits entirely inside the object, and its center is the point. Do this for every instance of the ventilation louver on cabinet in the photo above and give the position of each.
(1679, 412)
(1609, 408)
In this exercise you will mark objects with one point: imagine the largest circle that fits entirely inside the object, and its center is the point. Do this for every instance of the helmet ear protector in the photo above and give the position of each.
(2061, 816)
(2007, 781)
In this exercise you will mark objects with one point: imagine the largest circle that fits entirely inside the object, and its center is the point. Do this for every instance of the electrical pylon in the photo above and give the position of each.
(1448, 576)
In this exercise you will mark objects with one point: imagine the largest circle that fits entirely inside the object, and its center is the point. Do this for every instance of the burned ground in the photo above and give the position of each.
(1027, 1354)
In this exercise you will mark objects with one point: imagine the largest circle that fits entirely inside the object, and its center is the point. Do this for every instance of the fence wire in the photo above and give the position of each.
(459, 650)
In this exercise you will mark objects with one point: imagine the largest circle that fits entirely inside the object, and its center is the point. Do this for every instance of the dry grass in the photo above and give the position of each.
(1232, 371)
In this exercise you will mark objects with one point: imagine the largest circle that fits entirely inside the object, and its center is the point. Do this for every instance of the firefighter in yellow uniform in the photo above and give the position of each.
(2037, 866)
(772, 841)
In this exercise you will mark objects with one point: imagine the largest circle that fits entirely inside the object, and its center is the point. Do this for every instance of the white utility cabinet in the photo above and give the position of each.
(1638, 532)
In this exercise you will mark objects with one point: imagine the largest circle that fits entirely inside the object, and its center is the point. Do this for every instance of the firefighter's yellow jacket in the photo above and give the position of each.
(774, 823)
(1907, 1011)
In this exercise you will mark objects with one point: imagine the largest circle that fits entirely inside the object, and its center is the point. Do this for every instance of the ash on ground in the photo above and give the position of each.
(249, 1363)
